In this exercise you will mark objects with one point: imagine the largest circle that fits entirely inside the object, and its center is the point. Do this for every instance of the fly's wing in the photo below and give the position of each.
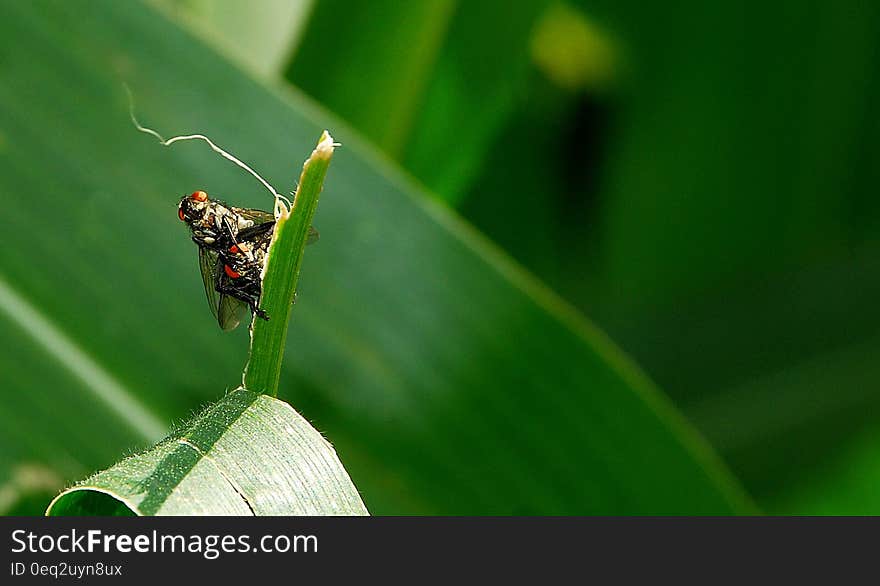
(208, 266)
(230, 312)
(261, 217)
(256, 216)
(256, 231)
(227, 310)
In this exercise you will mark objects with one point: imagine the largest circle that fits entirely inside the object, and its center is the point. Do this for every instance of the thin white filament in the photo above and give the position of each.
(168, 142)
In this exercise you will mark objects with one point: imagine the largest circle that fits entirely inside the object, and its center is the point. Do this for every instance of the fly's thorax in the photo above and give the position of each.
(224, 219)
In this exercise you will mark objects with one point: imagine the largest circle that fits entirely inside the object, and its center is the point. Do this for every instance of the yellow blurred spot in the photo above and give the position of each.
(27, 478)
(572, 51)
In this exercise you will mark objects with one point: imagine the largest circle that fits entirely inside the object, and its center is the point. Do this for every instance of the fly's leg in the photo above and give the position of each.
(206, 237)
(249, 297)
(229, 232)
(243, 289)
(248, 233)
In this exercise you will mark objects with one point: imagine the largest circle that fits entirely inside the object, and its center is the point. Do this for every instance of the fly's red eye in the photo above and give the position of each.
(233, 249)
(199, 196)
(230, 273)
(180, 215)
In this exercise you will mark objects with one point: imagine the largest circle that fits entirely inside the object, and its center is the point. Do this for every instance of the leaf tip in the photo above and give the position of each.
(325, 147)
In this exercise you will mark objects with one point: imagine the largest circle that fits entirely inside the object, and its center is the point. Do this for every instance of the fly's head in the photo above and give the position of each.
(192, 208)
(200, 213)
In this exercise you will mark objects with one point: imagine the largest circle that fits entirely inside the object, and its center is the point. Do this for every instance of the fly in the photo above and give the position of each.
(233, 246)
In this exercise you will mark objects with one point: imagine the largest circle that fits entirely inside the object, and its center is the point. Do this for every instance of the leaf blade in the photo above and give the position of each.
(438, 108)
(421, 350)
(248, 454)
(292, 231)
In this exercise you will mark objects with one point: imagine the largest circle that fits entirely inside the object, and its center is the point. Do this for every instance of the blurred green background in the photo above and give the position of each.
(695, 179)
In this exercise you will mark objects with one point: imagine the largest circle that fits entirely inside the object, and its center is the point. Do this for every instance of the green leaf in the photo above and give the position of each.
(733, 217)
(257, 34)
(448, 380)
(453, 82)
(282, 272)
(740, 148)
(473, 90)
(847, 485)
(248, 454)
(799, 392)
(351, 74)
